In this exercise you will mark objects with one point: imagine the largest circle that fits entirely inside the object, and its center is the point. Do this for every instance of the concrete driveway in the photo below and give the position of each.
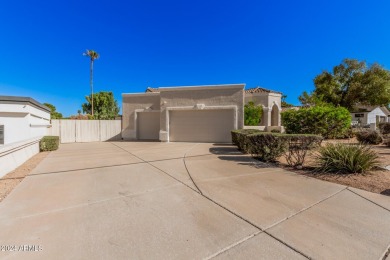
(135, 200)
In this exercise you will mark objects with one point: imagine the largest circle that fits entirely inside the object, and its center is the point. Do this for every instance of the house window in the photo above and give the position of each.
(359, 115)
(1, 134)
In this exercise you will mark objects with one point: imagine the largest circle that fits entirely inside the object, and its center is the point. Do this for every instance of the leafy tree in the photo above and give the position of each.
(284, 102)
(53, 113)
(350, 84)
(252, 114)
(106, 107)
(93, 55)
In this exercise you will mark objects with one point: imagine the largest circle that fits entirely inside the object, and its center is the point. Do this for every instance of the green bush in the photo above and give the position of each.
(252, 114)
(325, 120)
(384, 128)
(49, 143)
(239, 138)
(344, 158)
(266, 146)
(369, 137)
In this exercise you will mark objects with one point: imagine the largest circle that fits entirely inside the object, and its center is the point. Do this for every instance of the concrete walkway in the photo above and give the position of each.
(134, 200)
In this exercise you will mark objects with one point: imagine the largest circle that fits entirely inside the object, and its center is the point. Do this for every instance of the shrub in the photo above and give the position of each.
(239, 138)
(387, 142)
(344, 158)
(49, 143)
(369, 137)
(252, 114)
(384, 128)
(266, 146)
(298, 147)
(325, 120)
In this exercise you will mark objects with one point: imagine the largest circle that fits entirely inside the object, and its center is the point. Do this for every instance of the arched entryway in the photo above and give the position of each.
(275, 115)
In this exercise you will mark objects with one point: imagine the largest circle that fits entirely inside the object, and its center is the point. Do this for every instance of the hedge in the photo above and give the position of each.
(369, 137)
(269, 146)
(49, 143)
(327, 121)
(239, 138)
(384, 128)
(266, 146)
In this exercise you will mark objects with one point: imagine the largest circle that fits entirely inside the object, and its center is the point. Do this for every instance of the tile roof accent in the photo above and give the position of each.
(152, 90)
(260, 90)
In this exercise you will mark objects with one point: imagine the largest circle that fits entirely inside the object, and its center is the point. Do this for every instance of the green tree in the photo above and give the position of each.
(106, 107)
(350, 84)
(93, 55)
(284, 102)
(53, 113)
(252, 114)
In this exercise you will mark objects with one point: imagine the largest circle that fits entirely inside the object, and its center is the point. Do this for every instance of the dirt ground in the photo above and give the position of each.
(9, 181)
(377, 180)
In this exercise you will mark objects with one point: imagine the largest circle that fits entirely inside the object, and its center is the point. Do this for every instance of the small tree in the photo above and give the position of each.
(105, 105)
(350, 84)
(53, 113)
(252, 114)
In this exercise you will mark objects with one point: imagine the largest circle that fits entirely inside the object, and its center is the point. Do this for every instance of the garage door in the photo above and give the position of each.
(201, 125)
(148, 125)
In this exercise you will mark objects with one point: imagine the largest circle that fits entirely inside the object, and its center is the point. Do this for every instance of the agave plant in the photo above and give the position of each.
(344, 158)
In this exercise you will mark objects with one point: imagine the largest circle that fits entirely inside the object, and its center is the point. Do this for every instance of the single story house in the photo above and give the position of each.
(23, 121)
(366, 115)
(192, 114)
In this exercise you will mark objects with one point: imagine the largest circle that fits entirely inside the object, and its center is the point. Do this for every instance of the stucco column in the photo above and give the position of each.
(267, 116)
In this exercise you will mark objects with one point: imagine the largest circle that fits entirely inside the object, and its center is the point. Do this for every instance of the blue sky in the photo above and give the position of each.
(280, 45)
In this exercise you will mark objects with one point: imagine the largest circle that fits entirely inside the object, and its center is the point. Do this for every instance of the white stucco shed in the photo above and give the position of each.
(23, 121)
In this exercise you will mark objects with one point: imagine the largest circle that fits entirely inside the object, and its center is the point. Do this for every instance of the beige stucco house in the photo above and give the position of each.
(192, 114)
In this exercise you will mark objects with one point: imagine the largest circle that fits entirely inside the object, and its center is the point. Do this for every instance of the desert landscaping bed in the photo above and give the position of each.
(377, 180)
(12, 179)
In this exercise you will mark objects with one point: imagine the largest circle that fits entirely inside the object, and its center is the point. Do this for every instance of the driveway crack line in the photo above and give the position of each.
(188, 172)
(240, 217)
(304, 209)
(368, 199)
(102, 167)
(232, 245)
(97, 201)
(144, 161)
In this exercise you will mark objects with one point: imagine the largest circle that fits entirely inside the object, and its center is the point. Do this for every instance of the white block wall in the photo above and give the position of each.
(80, 131)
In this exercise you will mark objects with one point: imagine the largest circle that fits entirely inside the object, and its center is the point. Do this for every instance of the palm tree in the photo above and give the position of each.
(93, 55)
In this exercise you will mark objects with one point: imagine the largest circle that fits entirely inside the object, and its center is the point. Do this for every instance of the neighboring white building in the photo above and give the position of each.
(366, 115)
(23, 121)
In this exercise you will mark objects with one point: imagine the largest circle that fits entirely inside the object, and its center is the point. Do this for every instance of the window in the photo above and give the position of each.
(1, 134)
(359, 115)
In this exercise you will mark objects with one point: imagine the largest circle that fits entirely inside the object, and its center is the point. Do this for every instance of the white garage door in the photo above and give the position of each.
(201, 125)
(148, 125)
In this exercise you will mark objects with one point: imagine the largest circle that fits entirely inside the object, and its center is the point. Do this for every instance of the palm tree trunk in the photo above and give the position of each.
(91, 83)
